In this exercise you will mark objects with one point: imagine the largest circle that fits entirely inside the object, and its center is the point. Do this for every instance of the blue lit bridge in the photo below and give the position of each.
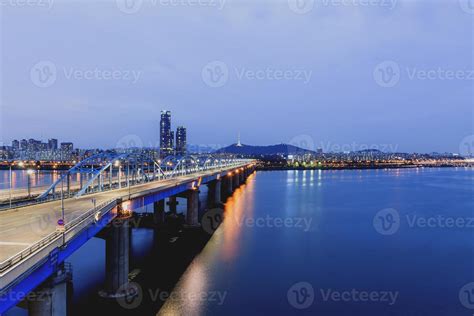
(36, 239)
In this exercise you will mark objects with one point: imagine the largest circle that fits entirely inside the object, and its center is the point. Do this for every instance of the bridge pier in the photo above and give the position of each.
(117, 257)
(159, 212)
(227, 187)
(173, 204)
(236, 180)
(192, 211)
(214, 193)
(51, 298)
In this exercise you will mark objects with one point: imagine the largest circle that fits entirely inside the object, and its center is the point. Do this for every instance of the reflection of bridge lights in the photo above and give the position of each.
(30, 171)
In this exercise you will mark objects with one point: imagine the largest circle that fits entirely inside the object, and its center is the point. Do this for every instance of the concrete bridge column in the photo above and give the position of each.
(159, 212)
(192, 208)
(51, 298)
(117, 257)
(173, 204)
(214, 193)
(242, 176)
(236, 180)
(227, 187)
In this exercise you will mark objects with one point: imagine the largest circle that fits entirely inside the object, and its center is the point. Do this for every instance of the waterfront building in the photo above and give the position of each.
(23, 144)
(15, 145)
(53, 144)
(166, 135)
(181, 140)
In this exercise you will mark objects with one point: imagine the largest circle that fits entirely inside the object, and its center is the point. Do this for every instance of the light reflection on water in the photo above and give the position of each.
(342, 250)
(223, 246)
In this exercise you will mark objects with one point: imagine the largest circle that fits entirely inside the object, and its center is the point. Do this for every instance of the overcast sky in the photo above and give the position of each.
(329, 73)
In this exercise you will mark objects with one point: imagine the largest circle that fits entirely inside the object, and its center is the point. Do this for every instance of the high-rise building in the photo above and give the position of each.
(15, 145)
(67, 147)
(166, 135)
(53, 144)
(23, 144)
(181, 140)
(33, 145)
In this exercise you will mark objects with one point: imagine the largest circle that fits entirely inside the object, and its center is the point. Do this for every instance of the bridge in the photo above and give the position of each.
(37, 238)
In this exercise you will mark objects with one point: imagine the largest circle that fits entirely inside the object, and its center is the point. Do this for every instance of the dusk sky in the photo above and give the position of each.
(335, 74)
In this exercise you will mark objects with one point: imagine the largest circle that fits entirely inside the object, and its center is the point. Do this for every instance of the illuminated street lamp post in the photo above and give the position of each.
(29, 172)
(11, 181)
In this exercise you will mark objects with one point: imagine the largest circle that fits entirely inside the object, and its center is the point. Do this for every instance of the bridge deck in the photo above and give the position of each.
(22, 227)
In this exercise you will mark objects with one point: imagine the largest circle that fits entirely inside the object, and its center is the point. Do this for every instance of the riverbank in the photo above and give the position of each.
(361, 167)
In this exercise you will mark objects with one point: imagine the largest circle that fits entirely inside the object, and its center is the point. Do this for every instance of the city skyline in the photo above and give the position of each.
(334, 91)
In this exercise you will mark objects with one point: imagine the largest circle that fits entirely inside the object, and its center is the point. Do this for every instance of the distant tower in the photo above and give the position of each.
(239, 144)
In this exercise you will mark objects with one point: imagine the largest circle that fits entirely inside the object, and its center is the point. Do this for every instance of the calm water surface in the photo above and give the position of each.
(258, 268)
(322, 243)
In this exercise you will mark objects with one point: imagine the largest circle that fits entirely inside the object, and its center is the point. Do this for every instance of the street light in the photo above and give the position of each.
(11, 181)
(29, 173)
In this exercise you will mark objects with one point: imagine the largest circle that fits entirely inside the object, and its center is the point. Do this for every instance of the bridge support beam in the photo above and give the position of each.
(159, 212)
(192, 208)
(51, 299)
(214, 193)
(117, 257)
(242, 176)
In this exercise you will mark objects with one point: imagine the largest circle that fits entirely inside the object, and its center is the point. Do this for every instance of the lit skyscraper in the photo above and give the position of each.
(166, 136)
(53, 144)
(181, 140)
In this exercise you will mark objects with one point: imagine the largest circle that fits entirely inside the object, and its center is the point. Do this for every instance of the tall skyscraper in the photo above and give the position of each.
(53, 144)
(166, 136)
(15, 145)
(181, 140)
(67, 147)
(23, 144)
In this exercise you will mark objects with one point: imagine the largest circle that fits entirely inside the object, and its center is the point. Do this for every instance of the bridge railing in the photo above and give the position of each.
(68, 228)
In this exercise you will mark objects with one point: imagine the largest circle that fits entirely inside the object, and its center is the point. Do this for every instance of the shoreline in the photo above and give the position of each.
(278, 168)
